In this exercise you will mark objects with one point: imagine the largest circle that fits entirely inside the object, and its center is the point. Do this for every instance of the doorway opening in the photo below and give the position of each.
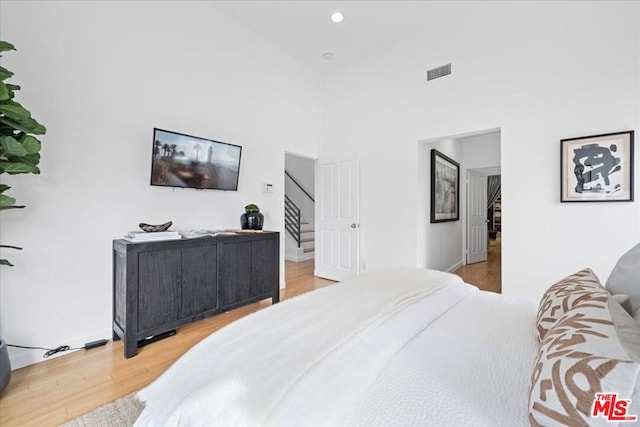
(447, 246)
(299, 207)
(483, 263)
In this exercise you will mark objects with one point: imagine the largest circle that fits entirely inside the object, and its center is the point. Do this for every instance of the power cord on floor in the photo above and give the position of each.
(59, 349)
(49, 351)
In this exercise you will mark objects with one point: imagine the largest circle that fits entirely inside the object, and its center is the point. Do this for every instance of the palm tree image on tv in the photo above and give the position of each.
(186, 161)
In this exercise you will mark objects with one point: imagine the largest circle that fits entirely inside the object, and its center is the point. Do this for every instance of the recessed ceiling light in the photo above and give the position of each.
(328, 56)
(337, 17)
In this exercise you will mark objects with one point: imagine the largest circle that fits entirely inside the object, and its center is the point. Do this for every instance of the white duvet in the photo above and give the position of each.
(396, 347)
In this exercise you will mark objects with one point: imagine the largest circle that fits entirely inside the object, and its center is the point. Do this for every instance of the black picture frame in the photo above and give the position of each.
(597, 168)
(445, 188)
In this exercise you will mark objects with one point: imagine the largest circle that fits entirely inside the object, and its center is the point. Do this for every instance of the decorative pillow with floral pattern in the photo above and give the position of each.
(591, 348)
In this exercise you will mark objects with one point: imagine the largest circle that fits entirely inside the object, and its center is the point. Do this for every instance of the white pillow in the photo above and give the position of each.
(625, 302)
(625, 277)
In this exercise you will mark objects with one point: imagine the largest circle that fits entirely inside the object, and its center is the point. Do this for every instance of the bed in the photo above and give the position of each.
(411, 347)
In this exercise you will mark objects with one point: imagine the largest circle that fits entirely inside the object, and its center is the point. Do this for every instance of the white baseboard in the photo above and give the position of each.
(301, 257)
(456, 266)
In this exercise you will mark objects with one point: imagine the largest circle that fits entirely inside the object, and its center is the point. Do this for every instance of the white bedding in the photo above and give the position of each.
(401, 346)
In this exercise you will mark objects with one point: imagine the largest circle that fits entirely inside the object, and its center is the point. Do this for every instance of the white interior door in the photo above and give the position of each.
(476, 218)
(337, 227)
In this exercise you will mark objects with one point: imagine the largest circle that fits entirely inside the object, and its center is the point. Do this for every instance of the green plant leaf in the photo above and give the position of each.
(11, 89)
(34, 127)
(3, 188)
(30, 144)
(4, 92)
(29, 126)
(31, 159)
(15, 111)
(14, 168)
(12, 147)
(4, 73)
(6, 201)
(6, 46)
(5, 262)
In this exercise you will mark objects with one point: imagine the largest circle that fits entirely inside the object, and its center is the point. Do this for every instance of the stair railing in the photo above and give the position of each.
(292, 216)
(299, 186)
(292, 219)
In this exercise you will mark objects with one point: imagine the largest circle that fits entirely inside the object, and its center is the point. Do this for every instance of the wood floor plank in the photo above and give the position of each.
(486, 275)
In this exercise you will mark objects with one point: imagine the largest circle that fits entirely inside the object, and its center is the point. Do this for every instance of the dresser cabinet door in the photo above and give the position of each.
(236, 273)
(199, 280)
(158, 288)
(264, 264)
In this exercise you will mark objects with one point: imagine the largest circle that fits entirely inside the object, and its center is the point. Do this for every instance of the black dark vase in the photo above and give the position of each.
(251, 220)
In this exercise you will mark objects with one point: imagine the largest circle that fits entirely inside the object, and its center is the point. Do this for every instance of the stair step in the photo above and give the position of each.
(307, 250)
(310, 239)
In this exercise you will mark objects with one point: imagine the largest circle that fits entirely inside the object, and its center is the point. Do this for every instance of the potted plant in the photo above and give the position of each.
(19, 153)
(251, 219)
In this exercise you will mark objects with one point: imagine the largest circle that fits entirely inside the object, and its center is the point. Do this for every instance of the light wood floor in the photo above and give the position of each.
(58, 390)
(485, 275)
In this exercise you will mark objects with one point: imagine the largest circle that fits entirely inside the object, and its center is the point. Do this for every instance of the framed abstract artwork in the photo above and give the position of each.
(445, 188)
(597, 168)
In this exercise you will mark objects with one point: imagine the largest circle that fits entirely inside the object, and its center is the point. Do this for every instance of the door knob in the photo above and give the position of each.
(353, 226)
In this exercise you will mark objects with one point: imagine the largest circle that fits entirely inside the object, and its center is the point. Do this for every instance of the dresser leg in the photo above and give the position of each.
(130, 347)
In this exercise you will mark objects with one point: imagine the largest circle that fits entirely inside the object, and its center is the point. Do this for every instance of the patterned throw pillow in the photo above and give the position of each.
(580, 355)
(580, 289)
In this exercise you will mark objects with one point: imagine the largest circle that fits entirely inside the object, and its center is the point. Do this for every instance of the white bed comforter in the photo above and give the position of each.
(338, 364)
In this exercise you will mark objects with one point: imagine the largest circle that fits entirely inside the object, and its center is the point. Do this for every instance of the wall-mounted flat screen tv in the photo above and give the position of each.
(187, 161)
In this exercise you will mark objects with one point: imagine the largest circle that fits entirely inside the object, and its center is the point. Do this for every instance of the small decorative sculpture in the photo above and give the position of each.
(151, 228)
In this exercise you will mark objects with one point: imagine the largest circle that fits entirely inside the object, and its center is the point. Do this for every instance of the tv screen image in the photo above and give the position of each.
(187, 161)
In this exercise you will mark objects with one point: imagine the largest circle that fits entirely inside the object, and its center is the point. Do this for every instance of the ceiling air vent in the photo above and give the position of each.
(436, 73)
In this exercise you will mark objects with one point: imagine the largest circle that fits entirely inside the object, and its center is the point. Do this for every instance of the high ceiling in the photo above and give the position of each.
(304, 29)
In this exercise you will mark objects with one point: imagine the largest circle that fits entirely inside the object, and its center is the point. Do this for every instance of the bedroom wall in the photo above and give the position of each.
(539, 71)
(100, 76)
(440, 245)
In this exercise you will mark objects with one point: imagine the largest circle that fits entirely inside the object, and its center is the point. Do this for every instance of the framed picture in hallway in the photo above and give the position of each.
(445, 188)
(597, 168)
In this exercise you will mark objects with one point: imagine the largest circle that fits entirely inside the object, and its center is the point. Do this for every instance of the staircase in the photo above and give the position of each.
(307, 238)
(300, 229)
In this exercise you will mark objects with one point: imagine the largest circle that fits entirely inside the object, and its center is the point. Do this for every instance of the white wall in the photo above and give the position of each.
(481, 151)
(100, 76)
(540, 72)
(440, 244)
